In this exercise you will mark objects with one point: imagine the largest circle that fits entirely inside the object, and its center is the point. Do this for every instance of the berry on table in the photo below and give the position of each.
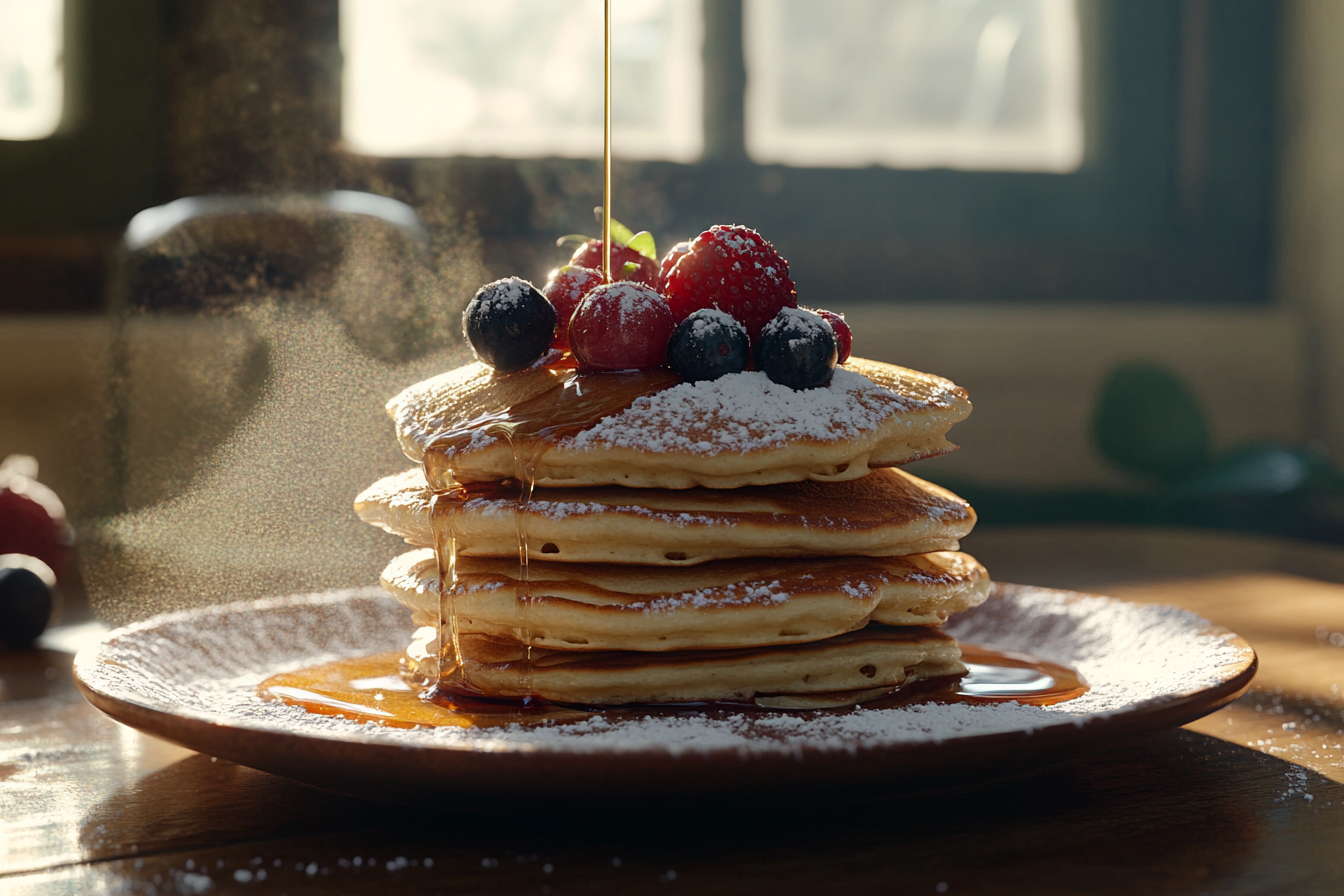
(707, 345)
(669, 261)
(626, 263)
(621, 326)
(564, 290)
(734, 269)
(797, 348)
(844, 338)
(509, 324)
(25, 599)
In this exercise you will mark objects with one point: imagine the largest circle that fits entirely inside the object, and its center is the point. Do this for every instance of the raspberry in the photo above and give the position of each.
(565, 289)
(734, 269)
(844, 339)
(669, 260)
(589, 255)
(621, 326)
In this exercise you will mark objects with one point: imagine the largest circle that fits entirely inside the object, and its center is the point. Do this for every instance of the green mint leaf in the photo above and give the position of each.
(642, 243)
(620, 234)
(628, 269)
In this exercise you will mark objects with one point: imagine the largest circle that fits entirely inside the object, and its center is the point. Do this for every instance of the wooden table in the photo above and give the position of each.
(1249, 800)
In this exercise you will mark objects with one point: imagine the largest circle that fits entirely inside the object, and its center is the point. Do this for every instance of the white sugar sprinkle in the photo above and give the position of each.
(746, 411)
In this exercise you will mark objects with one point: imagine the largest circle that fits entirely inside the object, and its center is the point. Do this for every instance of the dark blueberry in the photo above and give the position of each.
(25, 606)
(707, 345)
(797, 348)
(509, 324)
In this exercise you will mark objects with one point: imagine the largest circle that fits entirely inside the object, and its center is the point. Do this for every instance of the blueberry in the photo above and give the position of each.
(797, 349)
(25, 606)
(509, 324)
(707, 345)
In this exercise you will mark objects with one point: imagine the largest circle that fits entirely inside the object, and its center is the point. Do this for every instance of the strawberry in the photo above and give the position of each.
(734, 269)
(669, 261)
(626, 263)
(565, 289)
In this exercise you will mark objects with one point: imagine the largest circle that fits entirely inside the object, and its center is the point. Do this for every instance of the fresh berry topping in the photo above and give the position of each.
(734, 269)
(25, 599)
(29, 527)
(621, 326)
(644, 270)
(564, 290)
(509, 324)
(797, 349)
(844, 339)
(669, 261)
(707, 345)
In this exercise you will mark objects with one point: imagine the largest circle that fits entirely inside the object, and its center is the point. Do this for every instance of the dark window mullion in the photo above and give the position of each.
(725, 82)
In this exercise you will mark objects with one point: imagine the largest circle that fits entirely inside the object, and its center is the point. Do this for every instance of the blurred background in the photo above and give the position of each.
(231, 229)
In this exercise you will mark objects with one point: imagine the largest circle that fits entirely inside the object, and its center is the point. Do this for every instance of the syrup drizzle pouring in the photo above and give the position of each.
(577, 401)
(530, 428)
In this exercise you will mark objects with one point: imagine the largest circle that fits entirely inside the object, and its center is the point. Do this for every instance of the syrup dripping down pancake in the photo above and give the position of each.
(726, 604)
(741, 429)
(838, 671)
(887, 513)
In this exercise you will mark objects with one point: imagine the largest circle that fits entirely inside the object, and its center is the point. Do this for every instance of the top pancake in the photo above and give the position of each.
(741, 429)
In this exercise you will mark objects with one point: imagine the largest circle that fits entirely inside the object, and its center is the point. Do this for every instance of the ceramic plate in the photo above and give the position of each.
(190, 677)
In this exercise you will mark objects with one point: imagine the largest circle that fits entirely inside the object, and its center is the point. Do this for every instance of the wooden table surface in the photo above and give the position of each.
(1248, 800)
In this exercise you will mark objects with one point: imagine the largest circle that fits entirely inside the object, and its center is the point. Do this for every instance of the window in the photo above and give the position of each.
(31, 77)
(904, 150)
(974, 84)
(520, 78)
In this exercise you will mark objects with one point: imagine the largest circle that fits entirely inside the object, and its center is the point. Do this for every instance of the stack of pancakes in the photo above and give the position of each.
(729, 541)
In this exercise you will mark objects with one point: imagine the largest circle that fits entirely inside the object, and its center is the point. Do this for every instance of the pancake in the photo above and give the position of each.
(889, 512)
(838, 671)
(741, 429)
(726, 604)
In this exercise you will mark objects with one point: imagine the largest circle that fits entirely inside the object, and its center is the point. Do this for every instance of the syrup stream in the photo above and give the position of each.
(606, 144)
(575, 402)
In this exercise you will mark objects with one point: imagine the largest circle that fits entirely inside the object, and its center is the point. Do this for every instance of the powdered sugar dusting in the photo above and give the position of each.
(745, 411)
(207, 664)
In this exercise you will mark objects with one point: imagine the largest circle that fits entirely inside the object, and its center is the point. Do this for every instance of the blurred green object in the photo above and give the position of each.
(1149, 423)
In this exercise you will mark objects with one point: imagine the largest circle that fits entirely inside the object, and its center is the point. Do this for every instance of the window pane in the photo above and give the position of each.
(520, 78)
(976, 84)
(31, 80)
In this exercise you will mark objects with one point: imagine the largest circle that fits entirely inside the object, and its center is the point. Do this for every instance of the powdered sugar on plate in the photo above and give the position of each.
(206, 664)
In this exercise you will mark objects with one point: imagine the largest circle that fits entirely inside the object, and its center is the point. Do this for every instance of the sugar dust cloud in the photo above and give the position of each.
(288, 393)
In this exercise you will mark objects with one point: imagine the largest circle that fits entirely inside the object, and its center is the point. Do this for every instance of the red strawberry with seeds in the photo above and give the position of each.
(669, 261)
(565, 289)
(734, 269)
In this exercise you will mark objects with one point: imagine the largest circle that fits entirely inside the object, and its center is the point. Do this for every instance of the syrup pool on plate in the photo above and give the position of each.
(375, 689)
